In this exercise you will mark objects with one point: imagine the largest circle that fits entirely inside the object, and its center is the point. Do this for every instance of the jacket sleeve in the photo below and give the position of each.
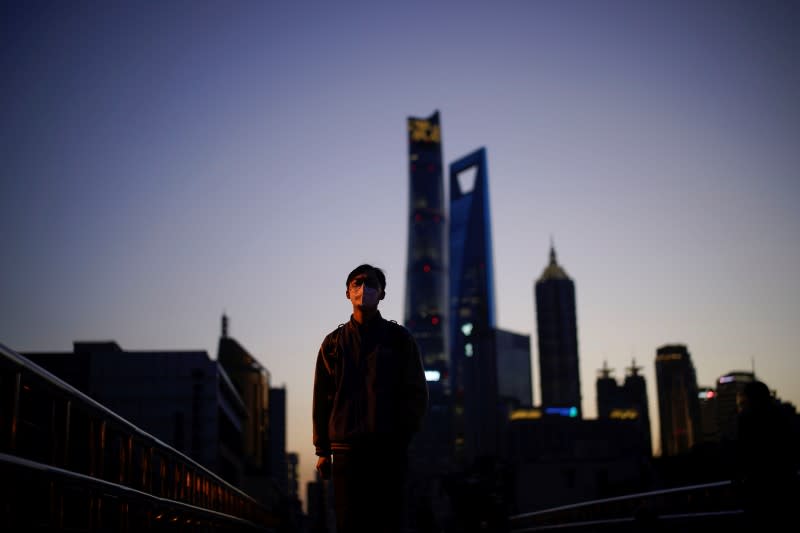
(416, 386)
(322, 402)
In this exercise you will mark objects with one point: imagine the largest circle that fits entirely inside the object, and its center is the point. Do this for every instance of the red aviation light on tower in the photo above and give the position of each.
(426, 268)
(434, 320)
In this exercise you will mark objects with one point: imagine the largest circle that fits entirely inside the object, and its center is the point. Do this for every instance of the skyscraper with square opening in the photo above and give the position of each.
(472, 309)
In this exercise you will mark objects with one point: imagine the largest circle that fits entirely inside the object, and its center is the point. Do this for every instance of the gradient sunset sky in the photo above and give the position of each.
(165, 162)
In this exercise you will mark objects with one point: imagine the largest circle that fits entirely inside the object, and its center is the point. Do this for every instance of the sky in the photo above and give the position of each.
(163, 163)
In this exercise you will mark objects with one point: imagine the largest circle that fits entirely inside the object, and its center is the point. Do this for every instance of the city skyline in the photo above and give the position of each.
(166, 164)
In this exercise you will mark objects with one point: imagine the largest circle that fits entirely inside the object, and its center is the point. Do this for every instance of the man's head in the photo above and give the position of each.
(366, 286)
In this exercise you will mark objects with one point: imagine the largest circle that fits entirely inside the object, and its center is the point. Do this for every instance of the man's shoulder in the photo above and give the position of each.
(396, 329)
(333, 336)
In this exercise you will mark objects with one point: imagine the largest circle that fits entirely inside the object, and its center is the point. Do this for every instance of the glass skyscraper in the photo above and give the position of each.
(426, 271)
(472, 308)
(425, 313)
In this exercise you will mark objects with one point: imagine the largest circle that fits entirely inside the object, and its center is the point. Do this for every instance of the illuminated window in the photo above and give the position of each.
(432, 375)
(466, 329)
(526, 414)
(468, 349)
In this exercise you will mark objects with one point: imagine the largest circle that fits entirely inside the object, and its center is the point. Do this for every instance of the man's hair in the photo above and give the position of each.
(366, 269)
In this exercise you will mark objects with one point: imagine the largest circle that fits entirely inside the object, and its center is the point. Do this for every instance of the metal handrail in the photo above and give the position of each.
(52, 473)
(74, 393)
(637, 511)
(627, 497)
(59, 389)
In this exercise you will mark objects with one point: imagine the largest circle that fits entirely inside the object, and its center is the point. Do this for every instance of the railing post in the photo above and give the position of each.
(53, 429)
(12, 445)
(67, 417)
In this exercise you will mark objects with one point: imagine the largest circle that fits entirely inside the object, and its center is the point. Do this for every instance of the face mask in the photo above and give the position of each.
(364, 296)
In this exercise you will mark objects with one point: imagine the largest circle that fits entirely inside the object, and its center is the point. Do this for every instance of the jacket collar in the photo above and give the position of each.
(369, 325)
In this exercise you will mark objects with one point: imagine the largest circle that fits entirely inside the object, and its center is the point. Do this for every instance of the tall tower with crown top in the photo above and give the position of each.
(557, 328)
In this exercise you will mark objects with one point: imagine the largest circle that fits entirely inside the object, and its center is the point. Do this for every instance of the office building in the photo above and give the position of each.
(251, 379)
(425, 313)
(557, 327)
(678, 405)
(183, 398)
(708, 425)
(472, 309)
(514, 380)
(626, 402)
(278, 468)
(728, 388)
(635, 392)
(426, 271)
(560, 460)
(607, 389)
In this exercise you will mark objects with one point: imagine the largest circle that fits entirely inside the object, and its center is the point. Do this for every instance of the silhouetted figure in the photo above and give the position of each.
(766, 469)
(370, 395)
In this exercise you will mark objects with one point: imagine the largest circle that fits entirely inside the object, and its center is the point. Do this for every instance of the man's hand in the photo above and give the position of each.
(324, 467)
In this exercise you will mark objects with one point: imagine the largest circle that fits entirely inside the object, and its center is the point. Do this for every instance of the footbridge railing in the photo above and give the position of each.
(69, 463)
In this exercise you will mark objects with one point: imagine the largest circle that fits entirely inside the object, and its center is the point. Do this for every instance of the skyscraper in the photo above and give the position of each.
(678, 404)
(608, 397)
(426, 271)
(252, 381)
(472, 308)
(627, 402)
(728, 388)
(556, 324)
(514, 383)
(635, 392)
(426, 288)
(708, 425)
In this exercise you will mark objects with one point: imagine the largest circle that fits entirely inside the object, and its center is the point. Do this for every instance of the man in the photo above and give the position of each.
(370, 396)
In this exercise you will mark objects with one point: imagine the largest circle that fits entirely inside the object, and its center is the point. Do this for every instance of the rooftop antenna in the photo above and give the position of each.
(224, 325)
(605, 372)
(633, 369)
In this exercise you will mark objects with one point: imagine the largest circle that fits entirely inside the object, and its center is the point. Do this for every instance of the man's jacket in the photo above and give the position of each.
(369, 387)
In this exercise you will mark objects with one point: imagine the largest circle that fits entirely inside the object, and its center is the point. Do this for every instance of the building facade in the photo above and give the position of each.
(708, 426)
(183, 398)
(514, 379)
(626, 402)
(557, 327)
(252, 381)
(472, 309)
(728, 388)
(425, 313)
(678, 404)
(426, 271)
